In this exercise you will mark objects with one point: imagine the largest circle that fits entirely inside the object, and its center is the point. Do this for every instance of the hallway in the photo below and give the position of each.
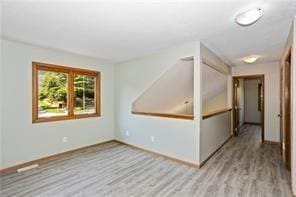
(243, 167)
(256, 167)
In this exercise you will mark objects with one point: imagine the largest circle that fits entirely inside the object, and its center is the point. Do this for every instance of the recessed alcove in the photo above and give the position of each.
(214, 89)
(171, 95)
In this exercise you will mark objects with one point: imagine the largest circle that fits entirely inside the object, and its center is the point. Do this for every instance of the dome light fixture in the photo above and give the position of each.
(249, 17)
(250, 59)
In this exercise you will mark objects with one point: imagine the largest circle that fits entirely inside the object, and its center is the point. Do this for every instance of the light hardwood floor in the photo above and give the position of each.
(243, 167)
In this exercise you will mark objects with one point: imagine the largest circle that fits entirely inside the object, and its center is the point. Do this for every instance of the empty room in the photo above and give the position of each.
(148, 98)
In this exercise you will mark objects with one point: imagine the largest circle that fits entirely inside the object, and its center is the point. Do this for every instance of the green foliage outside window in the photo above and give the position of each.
(53, 91)
(54, 87)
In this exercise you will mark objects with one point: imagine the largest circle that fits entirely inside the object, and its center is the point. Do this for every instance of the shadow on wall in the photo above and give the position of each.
(214, 86)
(172, 93)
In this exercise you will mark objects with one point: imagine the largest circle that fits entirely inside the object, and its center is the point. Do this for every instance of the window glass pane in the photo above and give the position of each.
(84, 93)
(52, 94)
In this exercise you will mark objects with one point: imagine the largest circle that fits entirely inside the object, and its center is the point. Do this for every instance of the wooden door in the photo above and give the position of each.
(235, 107)
(287, 116)
(281, 109)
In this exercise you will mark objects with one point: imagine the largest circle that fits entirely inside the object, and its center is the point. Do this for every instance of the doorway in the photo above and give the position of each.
(246, 110)
(285, 110)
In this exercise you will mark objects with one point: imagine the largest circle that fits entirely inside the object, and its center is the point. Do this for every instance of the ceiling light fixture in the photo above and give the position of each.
(249, 17)
(250, 59)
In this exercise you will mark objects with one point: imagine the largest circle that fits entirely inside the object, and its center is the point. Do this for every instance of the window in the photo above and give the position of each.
(61, 93)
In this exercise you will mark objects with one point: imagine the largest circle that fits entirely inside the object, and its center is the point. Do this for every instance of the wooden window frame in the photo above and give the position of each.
(36, 66)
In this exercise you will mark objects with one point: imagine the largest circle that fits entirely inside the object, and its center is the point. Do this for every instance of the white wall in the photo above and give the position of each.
(217, 103)
(214, 86)
(1, 106)
(252, 114)
(241, 101)
(1, 94)
(23, 141)
(214, 132)
(174, 137)
(217, 62)
(169, 93)
(272, 80)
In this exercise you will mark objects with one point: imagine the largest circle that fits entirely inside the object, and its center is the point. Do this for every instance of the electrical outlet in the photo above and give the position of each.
(152, 138)
(127, 133)
(65, 139)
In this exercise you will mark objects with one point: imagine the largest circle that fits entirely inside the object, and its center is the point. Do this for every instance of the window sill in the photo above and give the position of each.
(60, 118)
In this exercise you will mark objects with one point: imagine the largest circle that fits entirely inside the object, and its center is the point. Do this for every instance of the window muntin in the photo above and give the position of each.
(61, 93)
(84, 94)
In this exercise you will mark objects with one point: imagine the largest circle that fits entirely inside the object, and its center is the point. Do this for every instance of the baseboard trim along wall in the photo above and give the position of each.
(39, 161)
(14, 168)
(211, 155)
(271, 142)
(254, 123)
(195, 165)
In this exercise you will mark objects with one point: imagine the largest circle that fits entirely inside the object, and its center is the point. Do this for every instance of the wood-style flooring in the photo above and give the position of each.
(243, 167)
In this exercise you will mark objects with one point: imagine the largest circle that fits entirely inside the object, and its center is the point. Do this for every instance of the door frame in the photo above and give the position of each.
(234, 101)
(235, 111)
(286, 109)
(280, 115)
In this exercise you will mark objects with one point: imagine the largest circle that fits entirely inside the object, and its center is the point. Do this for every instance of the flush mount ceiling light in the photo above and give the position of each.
(249, 17)
(250, 59)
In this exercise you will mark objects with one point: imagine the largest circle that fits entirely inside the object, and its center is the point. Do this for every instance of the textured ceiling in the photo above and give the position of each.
(122, 30)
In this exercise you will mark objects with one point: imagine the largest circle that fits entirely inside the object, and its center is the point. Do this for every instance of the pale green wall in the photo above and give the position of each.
(174, 137)
(23, 141)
